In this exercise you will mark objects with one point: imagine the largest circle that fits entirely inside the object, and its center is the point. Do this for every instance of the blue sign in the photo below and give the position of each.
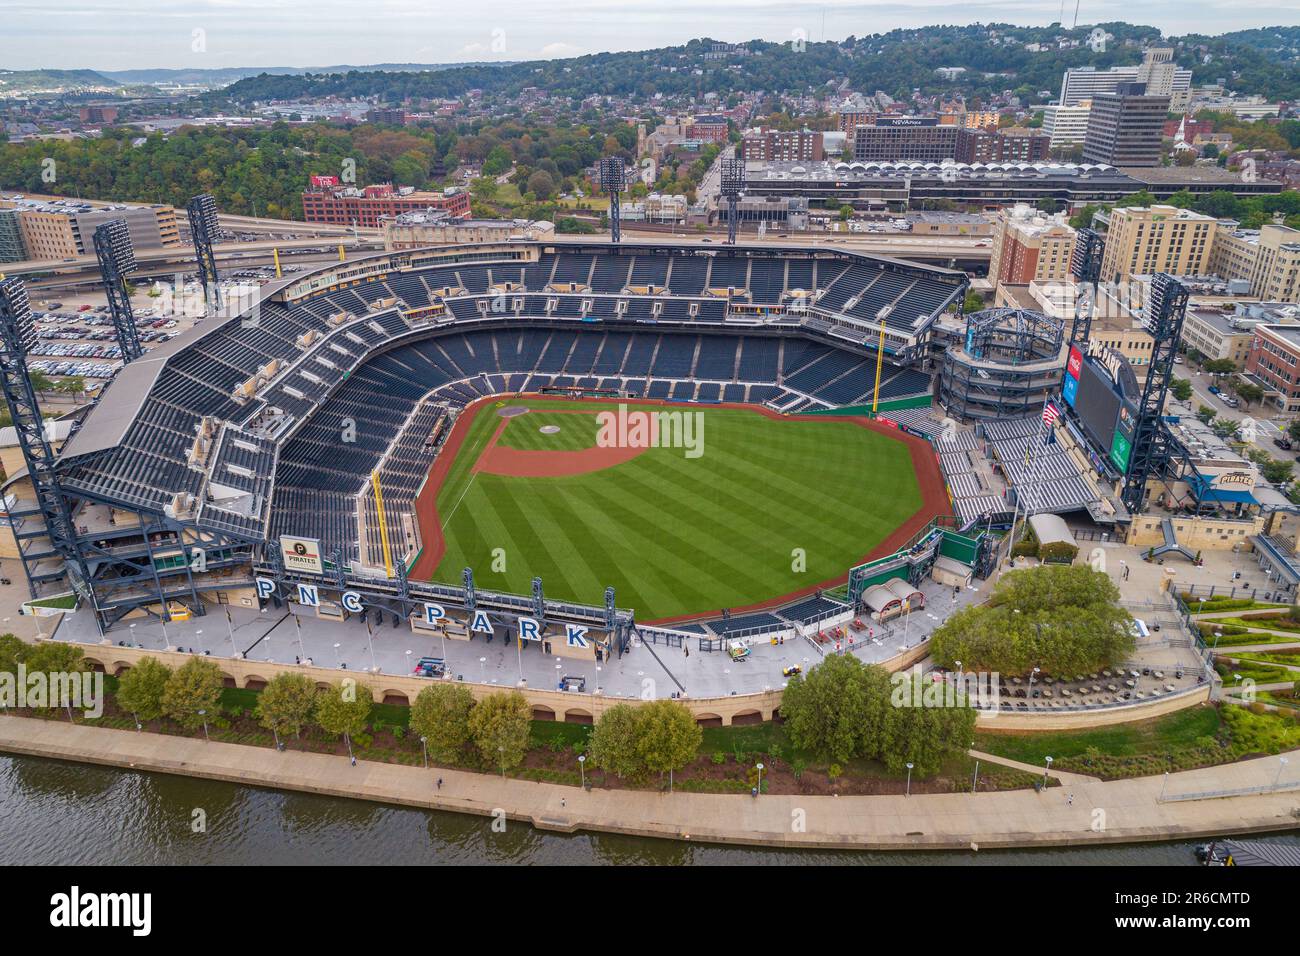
(1070, 388)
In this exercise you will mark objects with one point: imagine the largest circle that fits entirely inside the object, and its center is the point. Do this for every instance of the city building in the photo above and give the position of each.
(792, 146)
(1161, 76)
(1066, 126)
(1030, 246)
(848, 120)
(393, 117)
(932, 223)
(1225, 332)
(1147, 240)
(1274, 364)
(98, 115)
(1276, 276)
(62, 228)
(1125, 127)
(11, 237)
(894, 138)
(711, 129)
(432, 227)
(1013, 145)
(326, 201)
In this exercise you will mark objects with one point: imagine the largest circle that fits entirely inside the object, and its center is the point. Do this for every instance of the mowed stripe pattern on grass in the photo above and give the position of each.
(577, 430)
(678, 536)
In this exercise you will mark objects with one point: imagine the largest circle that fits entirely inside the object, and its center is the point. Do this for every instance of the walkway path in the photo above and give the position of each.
(1116, 812)
(1065, 776)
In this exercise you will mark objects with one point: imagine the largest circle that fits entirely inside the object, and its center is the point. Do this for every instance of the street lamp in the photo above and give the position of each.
(203, 714)
(582, 769)
(909, 779)
(336, 655)
(482, 670)
(501, 751)
(1281, 765)
(759, 766)
(424, 742)
(1031, 681)
(198, 636)
(1046, 768)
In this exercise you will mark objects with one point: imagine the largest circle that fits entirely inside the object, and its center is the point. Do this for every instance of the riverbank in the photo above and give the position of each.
(1080, 813)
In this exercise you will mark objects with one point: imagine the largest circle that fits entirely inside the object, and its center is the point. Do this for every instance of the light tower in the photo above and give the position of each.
(1085, 266)
(17, 336)
(112, 241)
(612, 180)
(204, 226)
(733, 184)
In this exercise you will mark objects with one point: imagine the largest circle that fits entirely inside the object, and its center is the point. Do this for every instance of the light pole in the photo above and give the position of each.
(501, 751)
(424, 742)
(336, 655)
(1031, 681)
(582, 769)
(1281, 765)
(1218, 633)
(374, 668)
(297, 626)
(482, 670)
(203, 715)
(908, 792)
(230, 630)
(198, 636)
(1046, 768)
(759, 766)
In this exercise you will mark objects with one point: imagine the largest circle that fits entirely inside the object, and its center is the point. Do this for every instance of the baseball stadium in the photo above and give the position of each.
(610, 434)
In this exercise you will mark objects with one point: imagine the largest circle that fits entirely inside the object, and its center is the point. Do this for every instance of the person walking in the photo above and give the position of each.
(1069, 799)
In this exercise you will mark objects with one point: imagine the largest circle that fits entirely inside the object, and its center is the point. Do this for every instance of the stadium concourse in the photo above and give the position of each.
(274, 635)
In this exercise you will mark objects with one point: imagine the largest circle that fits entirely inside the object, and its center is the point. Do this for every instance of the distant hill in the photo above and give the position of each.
(225, 76)
(25, 81)
(994, 57)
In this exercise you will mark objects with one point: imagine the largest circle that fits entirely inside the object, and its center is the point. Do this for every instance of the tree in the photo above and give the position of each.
(1293, 430)
(140, 690)
(973, 302)
(1064, 619)
(344, 709)
(441, 715)
(846, 212)
(834, 709)
(1205, 413)
(1248, 392)
(1181, 388)
(1276, 472)
(541, 185)
(499, 726)
(1220, 366)
(924, 735)
(614, 742)
(1226, 427)
(668, 736)
(12, 650)
(286, 703)
(55, 657)
(194, 686)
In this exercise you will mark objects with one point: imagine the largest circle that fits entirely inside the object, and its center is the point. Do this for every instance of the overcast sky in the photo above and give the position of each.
(134, 34)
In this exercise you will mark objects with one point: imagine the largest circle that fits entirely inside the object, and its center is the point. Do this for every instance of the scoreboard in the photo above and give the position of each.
(1107, 418)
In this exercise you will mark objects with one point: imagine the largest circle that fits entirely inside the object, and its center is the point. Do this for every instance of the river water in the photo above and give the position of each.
(53, 812)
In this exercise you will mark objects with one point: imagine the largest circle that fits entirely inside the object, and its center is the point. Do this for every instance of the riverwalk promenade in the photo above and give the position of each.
(1078, 812)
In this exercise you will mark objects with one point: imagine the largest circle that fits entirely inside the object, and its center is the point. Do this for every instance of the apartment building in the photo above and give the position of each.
(1274, 363)
(1144, 241)
(1015, 145)
(1030, 246)
(326, 201)
(1276, 276)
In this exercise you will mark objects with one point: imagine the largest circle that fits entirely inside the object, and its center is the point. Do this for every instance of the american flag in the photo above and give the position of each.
(1050, 414)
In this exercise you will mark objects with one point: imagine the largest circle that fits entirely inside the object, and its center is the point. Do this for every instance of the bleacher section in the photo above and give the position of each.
(298, 368)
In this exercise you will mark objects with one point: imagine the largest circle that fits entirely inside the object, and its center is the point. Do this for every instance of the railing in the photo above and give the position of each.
(1237, 792)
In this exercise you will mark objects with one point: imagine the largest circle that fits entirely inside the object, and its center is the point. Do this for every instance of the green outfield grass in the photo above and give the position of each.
(675, 535)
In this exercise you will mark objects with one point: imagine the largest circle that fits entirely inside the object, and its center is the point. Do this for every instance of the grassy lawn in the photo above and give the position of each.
(1174, 730)
(677, 535)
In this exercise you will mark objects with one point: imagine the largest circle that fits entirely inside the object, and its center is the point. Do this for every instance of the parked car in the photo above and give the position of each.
(1283, 442)
(1213, 390)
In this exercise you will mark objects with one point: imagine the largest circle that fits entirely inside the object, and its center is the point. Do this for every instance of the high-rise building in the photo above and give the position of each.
(1144, 241)
(1030, 246)
(1276, 275)
(1158, 71)
(894, 138)
(783, 146)
(1066, 126)
(1125, 127)
(1001, 146)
